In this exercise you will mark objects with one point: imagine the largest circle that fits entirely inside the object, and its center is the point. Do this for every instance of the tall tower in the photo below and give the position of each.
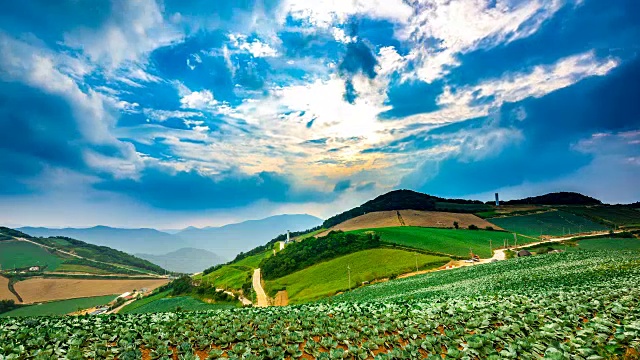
(497, 200)
(288, 236)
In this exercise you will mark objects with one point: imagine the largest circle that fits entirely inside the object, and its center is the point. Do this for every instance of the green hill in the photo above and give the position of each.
(19, 255)
(234, 275)
(454, 242)
(554, 223)
(406, 200)
(67, 255)
(329, 277)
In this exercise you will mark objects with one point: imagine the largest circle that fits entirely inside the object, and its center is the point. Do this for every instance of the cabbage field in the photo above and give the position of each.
(577, 305)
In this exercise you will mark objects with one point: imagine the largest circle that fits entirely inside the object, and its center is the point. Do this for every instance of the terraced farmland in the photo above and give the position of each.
(554, 223)
(572, 305)
(329, 277)
(445, 241)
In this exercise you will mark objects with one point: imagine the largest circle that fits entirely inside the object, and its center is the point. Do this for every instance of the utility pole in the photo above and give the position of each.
(416, 262)
(515, 238)
(349, 271)
(490, 248)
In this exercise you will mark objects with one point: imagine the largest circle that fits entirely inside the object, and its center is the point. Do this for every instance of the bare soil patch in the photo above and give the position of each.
(40, 289)
(382, 219)
(282, 298)
(442, 219)
(5, 294)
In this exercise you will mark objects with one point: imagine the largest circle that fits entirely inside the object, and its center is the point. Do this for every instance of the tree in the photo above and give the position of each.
(455, 224)
(473, 227)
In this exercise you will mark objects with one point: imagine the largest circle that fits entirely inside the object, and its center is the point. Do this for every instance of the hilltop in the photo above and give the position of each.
(557, 198)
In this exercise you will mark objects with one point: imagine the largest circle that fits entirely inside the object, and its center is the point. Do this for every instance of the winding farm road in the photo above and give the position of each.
(257, 287)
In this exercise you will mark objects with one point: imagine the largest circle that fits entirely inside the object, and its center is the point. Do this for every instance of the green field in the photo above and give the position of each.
(170, 304)
(576, 305)
(445, 241)
(232, 276)
(59, 307)
(609, 244)
(555, 223)
(612, 215)
(20, 254)
(329, 277)
(81, 269)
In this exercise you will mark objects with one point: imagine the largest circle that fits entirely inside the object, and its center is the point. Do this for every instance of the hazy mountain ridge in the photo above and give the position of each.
(224, 241)
(185, 260)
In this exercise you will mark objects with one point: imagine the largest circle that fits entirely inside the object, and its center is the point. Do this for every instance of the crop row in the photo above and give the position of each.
(528, 312)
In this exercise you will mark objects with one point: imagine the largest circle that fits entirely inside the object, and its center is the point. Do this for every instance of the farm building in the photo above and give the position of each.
(34, 268)
(524, 252)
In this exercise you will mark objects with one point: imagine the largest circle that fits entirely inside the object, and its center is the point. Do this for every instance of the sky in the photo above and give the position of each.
(172, 113)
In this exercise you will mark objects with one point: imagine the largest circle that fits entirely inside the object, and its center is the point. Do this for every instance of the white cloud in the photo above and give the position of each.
(133, 29)
(324, 13)
(541, 80)
(256, 48)
(92, 111)
(198, 100)
(461, 26)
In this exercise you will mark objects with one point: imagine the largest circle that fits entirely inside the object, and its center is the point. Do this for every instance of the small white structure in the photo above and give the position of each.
(34, 268)
(125, 295)
(288, 237)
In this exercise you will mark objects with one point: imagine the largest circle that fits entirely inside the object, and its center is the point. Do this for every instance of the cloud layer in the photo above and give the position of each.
(296, 104)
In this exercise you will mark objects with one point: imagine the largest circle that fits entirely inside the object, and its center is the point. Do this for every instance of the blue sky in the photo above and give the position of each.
(168, 113)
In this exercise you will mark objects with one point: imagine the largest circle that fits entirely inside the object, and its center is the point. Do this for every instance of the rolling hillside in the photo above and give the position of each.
(329, 277)
(393, 218)
(131, 241)
(54, 252)
(452, 242)
(552, 223)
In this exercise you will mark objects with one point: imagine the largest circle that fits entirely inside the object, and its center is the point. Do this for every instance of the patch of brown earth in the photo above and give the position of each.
(41, 289)
(282, 298)
(5, 294)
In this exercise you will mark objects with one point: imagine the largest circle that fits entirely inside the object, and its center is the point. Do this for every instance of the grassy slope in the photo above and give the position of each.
(60, 307)
(446, 241)
(327, 278)
(609, 244)
(169, 304)
(21, 254)
(81, 269)
(548, 223)
(232, 276)
(142, 302)
(614, 215)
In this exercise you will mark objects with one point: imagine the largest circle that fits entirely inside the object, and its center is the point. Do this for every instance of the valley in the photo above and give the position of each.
(332, 286)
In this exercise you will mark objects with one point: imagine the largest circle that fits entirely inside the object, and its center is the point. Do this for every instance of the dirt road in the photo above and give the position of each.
(257, 287)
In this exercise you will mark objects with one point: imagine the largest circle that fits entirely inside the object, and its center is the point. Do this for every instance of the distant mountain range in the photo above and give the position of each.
(224, 241)
(128, 240)
(185, 260)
